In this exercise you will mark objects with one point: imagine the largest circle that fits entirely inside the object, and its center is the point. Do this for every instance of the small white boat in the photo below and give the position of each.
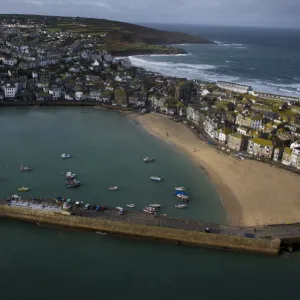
(23, 189)
(154, 209)
(148, 159)
(154, 178)
(65, 155)
(101, 233)
(181, 206)
(182, 197)
(70, 175)
(179, 188)
(119, 208)
(131, 205)
(148, 211)
(112, 188)
(155, 205)
(72, 183)
(25, 168)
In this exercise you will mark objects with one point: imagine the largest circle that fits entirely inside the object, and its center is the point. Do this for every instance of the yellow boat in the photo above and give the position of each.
(23, 189)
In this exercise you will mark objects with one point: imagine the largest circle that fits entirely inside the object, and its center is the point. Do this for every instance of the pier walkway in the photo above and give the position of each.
(280, 231)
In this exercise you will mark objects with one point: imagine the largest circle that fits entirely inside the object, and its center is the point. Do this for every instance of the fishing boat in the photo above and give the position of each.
(148, 159)
(23, 189)
(154, 209)
(70, 175)
(180, 188)
(182, 197)
(181, 206)
(155, 205)
(65, 155)
(154, 178)
(131, 205)
(112, 188)
(148, 211)
(72, 183)
(25, 168)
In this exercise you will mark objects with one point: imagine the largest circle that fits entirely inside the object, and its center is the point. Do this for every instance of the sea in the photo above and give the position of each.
(107, 148)
(267, 59)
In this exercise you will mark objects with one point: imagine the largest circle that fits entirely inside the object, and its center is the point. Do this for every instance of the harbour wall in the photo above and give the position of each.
(178, 236)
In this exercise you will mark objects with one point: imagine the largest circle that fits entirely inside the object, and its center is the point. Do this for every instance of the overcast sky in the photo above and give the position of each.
(274, 13)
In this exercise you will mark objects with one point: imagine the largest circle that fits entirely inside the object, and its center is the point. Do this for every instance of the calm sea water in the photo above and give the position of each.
(44, 263)
(267, 59)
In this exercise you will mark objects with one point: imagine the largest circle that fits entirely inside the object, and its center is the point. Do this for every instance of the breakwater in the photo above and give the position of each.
(131, 225)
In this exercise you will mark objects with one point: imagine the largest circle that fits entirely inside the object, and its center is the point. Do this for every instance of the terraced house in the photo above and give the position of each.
(237, 141)
(260, 147)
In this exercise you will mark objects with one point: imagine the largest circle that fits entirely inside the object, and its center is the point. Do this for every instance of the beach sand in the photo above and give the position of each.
(252, 193)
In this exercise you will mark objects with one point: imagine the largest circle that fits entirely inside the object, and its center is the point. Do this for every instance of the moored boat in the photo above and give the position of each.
(148, 211)
(112, 188)
(72, 183)
(131, 205)
(25, 168)
(153, 209)
(65, 155)
(181, 206)
(155, 178)
(70, 175)
(148, 159)
(119, 208)
(23, 189)
(155, 205)
(179, 188)
(182, 197)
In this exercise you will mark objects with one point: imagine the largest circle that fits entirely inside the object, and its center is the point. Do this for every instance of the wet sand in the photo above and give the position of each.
(252, 193)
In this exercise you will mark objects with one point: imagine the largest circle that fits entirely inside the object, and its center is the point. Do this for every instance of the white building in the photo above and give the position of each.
(78, 95)
(210, 127)
(193, 115)
(10, 90)
(56, 93)
(9, 61)
(234, 87)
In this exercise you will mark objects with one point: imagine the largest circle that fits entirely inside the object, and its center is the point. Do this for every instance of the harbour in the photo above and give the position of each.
(39, 249)
(262, 239)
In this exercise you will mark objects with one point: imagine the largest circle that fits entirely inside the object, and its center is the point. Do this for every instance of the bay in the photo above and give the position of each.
(46, 263)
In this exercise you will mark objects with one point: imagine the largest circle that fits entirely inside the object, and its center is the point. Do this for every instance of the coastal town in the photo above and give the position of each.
(41, 65)
(228, 129)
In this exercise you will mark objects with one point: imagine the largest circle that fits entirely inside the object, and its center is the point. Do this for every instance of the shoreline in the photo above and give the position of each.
(249, 197)
(227, 198)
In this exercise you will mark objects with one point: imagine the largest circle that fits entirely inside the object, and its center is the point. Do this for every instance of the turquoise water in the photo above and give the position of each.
(108, 149)
(45, 263)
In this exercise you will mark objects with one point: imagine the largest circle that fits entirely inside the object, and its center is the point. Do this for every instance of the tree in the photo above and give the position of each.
(230, 106)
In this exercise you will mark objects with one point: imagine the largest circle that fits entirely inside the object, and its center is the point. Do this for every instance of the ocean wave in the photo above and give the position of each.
(183, 70)
(158, 55)
(212, 73)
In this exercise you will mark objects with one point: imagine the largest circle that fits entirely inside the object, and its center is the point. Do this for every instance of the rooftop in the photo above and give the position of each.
(262, 142)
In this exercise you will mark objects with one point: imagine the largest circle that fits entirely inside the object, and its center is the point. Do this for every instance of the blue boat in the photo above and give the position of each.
(181, 193)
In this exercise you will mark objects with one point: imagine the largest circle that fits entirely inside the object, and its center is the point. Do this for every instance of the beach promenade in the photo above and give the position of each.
(252, 193)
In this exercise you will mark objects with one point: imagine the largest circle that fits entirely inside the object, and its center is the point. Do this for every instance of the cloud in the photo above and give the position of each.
(228, 12)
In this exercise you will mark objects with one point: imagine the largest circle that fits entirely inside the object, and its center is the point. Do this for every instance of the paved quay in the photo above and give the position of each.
(281, 231)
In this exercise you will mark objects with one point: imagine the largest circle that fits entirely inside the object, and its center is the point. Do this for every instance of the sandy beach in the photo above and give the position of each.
(252, 193)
